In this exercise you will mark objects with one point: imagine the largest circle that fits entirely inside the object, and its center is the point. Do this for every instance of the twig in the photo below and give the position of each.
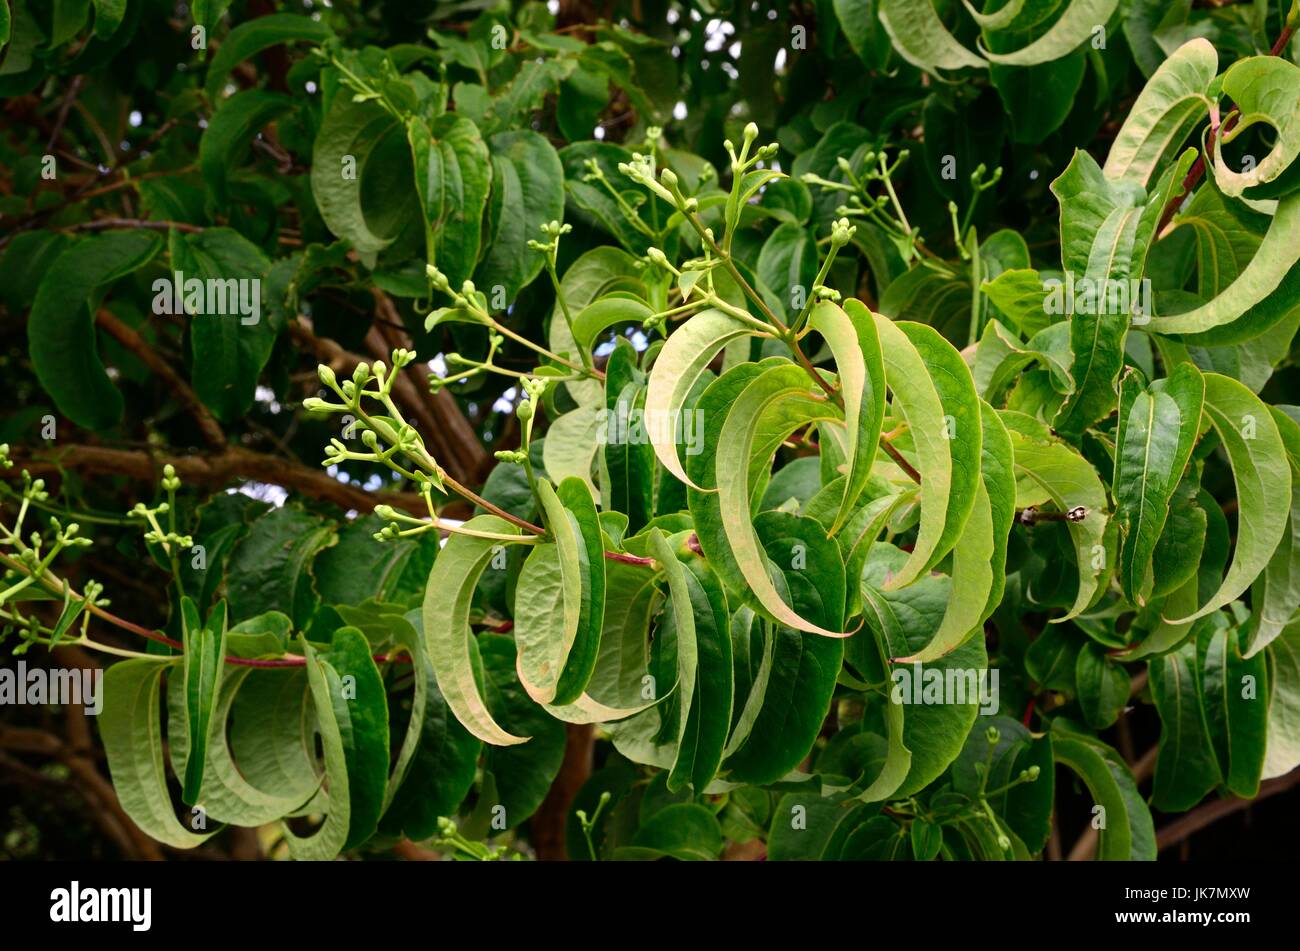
(185, 395)
(1211, 812)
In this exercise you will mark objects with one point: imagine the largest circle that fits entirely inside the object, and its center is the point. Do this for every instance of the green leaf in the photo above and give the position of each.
(1186, 768)
(1126, 831)
(61, 327)
(708, 721)
(452, 181)
(1102, 686)
(130, 729)
(205, 651)
(227, 795)
(520, 776)
(1048, 469)
(436, 764)
(934, 394)
(446, 624)
(1236, 709)
(901, 622)
(808, 828)
(683, 360)
(251, 37)
(270, 567)
(1272, 264)
(779, 400)
(791, 693)
(600, 315)
(855, 343)
(1263, 89)
(1262, 475)
(273, 741)
(527, 192)
(599, 272)
(108, 16)
(228, 134)
(1106, 230)
(683, 831)
(571, 444)
(358, 200)
(788, 261)
(361, 712)
(558, 622)
(920, 37)
(862, 28)
(1077, 23)
(328, 840)
(1174, 100)
(1283, 746)
(1276, 592)
(980, 555)
(1158, 428)
(232, 343)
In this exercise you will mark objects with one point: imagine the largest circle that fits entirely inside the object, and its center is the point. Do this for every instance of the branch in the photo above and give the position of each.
(1211, 812)
(208, 425)
(214, 471)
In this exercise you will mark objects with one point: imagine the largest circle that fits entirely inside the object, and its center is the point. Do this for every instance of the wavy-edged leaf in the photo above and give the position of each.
(361, 712)
(1262, 474)
(1263, 89)
(61, 327)
(1048, 469)
(1157, 430)
(453, 176)
(680, 364)
(131, 731)
(1128, 833)
(527, 192)
(860, 368)
(934, 393)
(1174, 99)
(446, 625)
(1186, 767)
(327, 841)
(251, 37)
